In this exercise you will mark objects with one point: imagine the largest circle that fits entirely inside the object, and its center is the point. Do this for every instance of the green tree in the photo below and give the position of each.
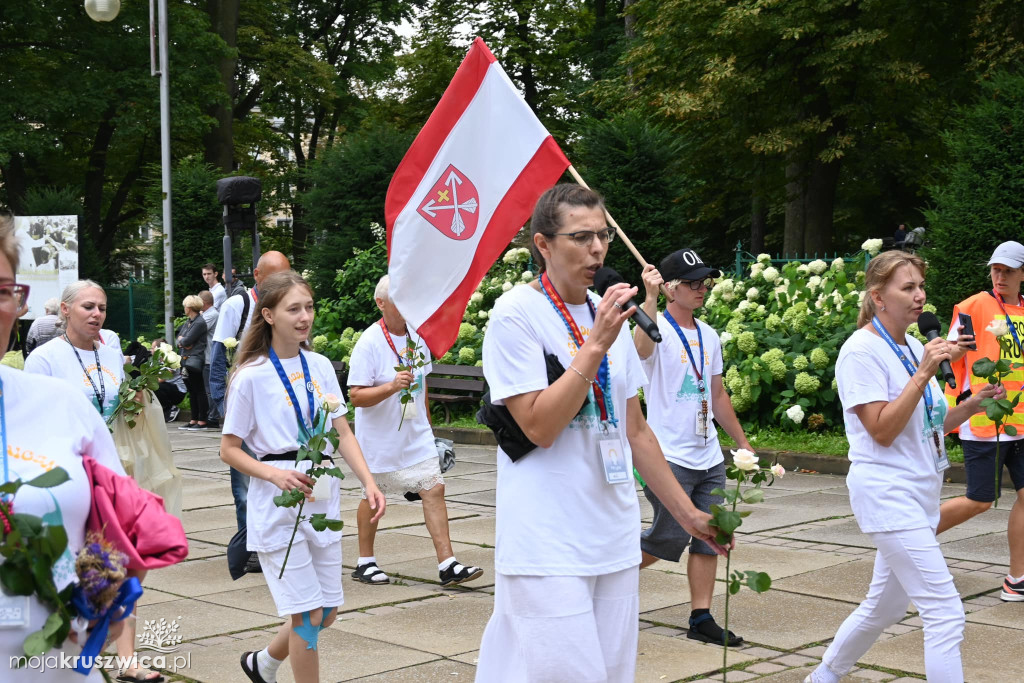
(347, 187)
(982, 202)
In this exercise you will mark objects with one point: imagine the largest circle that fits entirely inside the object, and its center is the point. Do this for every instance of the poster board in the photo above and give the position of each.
(48, 251)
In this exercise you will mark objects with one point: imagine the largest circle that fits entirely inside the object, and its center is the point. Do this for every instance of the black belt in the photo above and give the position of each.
(288, 456)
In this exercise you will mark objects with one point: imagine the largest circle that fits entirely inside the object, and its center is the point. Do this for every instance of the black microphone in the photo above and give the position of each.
(605, 278)
(928, 324)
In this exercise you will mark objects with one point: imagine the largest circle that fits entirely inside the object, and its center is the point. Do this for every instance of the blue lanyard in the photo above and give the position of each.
(911, 367)
(3, 432)
(603, 380)
(1009, 323)
(699, 374)
(291, 392)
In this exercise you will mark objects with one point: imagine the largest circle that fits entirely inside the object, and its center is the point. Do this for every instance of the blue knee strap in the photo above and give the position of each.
(699, 620)
(310, 633)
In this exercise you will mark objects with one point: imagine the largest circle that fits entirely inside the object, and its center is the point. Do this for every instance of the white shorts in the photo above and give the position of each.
(552, 629)
(312, 578)
(422, 476)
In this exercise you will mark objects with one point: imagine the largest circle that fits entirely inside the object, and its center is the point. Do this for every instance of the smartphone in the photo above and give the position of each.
(967, 327)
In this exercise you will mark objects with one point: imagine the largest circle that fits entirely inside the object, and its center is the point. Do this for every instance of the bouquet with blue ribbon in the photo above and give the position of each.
(104, 594)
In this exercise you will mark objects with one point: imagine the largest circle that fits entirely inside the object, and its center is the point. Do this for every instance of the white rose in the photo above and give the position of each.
(778, 470)
(770, 274)
(230, 343)
(817, 267)
(725, 337)
(752, 293)
(998, 327)
(507, 286)
(745, 460)
(333, 402)
(796, 414)
(166, 348)
(173, 360)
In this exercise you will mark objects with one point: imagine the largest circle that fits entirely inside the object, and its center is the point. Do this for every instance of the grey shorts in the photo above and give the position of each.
(665, 539)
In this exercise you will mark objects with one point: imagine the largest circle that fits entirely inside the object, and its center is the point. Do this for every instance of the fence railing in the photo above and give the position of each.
(745, 257)
(136, 309)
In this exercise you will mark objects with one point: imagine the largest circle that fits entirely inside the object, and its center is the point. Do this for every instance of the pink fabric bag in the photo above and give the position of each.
(133, 519)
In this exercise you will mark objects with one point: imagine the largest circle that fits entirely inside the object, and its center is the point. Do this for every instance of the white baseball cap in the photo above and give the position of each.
(1008, 254)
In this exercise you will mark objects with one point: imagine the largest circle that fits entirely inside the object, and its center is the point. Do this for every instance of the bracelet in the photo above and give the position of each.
(582, 376)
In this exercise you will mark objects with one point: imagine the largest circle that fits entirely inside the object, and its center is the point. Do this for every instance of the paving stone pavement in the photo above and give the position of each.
(803, 535)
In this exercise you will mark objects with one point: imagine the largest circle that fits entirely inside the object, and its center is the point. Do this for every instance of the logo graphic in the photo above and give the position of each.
(451, 205)
(161, 636)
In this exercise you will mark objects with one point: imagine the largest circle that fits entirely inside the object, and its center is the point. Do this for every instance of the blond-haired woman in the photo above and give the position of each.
(191, 338)
(271, 403)
(895, 415)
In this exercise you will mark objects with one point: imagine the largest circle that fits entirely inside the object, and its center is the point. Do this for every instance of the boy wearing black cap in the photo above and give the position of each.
(684, 394)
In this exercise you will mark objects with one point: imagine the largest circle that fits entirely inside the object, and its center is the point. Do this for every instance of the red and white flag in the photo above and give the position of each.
(467, 184)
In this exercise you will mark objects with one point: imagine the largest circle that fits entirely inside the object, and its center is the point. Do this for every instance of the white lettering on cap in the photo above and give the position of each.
(691, 258)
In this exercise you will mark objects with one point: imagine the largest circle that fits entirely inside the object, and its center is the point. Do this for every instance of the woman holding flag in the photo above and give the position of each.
(567, 548)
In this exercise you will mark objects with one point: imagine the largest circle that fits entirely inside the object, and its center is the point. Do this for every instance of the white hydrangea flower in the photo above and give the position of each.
(743, 305)
(761, 308)
(507, 286)
(770, 274)
(482, 315)
(527, 276)
(752, 293)
(838, 264)
(802, 269)
(756, 270)
(814, 282)
(872, 246)
(725, 338)
(796, 414)
(817, 267)
(476, 298)
(764, 258)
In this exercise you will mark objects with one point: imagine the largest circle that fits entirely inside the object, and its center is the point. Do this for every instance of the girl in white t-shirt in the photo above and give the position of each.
(895, 415)
(279, 384)
(567, 548)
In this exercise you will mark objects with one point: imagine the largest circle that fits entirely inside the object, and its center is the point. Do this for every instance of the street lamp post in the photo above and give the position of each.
(106, 10)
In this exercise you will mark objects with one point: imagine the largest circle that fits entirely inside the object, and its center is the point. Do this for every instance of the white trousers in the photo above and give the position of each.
(909, 567)
(554, 629)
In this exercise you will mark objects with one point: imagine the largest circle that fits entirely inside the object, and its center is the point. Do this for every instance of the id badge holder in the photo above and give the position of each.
(941, 459)
(613, 457)
(14, 611)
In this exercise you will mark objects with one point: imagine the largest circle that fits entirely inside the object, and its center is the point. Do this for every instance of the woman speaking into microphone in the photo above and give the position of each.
(895, 418)
(567, 545)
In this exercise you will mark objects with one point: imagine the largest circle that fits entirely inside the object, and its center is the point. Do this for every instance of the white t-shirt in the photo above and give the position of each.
(58, 358)
(211, 316)
(556, 512)
(965, 429)
(673, 399)
(260, 411)
(219, 295)
(897, 487)
(385, 447)
(110, 338)
(35, 446)
(230, 314)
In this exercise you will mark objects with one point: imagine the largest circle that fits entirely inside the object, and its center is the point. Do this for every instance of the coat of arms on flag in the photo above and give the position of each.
(463, 190)
(451, 204)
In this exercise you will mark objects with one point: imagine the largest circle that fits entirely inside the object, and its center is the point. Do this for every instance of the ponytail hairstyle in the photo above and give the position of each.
(259, 334)
(880, 271)
(547, 214)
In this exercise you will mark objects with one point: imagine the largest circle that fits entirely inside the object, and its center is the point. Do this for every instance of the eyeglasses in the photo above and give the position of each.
(12, 294)
(695, 285)
(583, 238)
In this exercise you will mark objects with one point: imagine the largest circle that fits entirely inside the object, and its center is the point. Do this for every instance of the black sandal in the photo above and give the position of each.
(705, 629)
(252, 672)
(457, 573)
(368, 573)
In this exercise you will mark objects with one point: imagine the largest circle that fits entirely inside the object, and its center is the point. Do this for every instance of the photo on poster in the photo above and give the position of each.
(48, 251)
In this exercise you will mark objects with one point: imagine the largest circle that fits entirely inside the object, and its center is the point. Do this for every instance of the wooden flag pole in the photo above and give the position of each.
(611, 221)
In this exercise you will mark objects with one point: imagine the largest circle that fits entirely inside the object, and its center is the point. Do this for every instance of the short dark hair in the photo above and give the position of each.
(547, 214)
(211, 266)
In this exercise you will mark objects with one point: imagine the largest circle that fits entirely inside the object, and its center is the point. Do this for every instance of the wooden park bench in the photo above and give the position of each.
(449, 384)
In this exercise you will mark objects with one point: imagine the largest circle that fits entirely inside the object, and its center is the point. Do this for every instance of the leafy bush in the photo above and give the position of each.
(781, 331)
(349, 305)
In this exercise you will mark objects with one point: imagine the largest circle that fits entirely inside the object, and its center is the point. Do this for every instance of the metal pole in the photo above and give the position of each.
(165, 170)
